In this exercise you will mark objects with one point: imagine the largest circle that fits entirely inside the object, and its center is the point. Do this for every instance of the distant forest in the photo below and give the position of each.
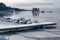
(4, 7)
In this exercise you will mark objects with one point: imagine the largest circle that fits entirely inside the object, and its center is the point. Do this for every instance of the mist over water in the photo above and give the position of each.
(43, 17)
(43, 5)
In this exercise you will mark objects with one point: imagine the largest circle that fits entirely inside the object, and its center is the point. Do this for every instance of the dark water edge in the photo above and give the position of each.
(3, 14)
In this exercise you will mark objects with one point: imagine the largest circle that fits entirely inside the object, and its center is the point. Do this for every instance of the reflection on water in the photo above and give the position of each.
(43, 17)
(2, 14)
(35, 13)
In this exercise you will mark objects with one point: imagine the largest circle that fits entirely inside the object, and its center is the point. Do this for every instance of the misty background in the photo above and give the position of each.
(44, 5)
(32, 3)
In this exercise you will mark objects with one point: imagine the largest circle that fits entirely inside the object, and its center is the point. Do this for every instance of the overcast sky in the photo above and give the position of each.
(20, 3)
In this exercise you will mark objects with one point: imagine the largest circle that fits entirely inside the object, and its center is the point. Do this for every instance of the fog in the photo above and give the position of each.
(32, 3)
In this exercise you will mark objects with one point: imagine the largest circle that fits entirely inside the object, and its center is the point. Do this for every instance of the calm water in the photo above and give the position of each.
(43, 17)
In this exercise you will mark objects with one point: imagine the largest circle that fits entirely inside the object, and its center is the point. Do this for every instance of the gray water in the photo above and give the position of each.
(43, 17)
(35, 35)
